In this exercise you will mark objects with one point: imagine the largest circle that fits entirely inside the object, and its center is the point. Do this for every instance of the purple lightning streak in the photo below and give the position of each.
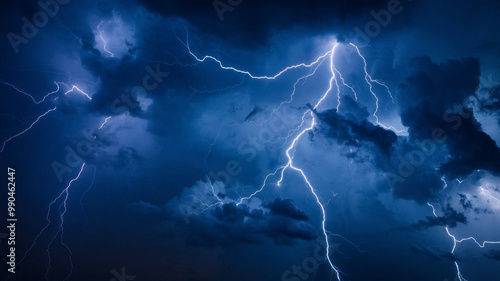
(456, 241)
(63, 194)
(27, 129)
(31, 96)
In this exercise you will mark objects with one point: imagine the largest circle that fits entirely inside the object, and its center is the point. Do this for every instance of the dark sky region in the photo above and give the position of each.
(174, 162)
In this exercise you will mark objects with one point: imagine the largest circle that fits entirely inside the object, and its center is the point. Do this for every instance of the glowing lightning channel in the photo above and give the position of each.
(103, 40)
(27, 129)
(456, 241)
(104, 123)
(290, 157)
(445, 183)
(305, 77)
(79, 90)
(31, 96)
(290, 161)
(250, 74)
(345, 84)
(369, 80)
(61, 227)
(63, 194)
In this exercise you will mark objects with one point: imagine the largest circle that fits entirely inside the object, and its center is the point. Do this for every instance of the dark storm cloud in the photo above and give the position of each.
(252, 113)
(279, 220)
(286, 208)
(146, 208)
(124, 157)
(450, 218)
(350, 131)
(493, 254)
(434, 254)
(433, 97)
(464, 202)
(490, 104)
(248, 25)
(424, 251)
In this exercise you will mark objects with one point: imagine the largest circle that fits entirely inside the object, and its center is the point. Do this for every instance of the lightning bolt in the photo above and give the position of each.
(104, 123)
(250, 74)
(73, 88)
(308, 117)
(31, 96)
(290, 164)
(369, 80)
(27, 129)
(445, 183)
(60, 233)
(101, 36)
(457, 241)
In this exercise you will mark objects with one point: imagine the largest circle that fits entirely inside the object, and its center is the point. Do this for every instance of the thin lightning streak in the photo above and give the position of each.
(27, 129)
(86, 191)
(250, 74)
(345, 84)
(103, 40)
(293, 91)
(31, 96)
(366, 71)
(60, 232)
(445, 183)
(64, 192)
(104, 123)
(369, 81)
(261, 188)
(459, 274)
(456, 241)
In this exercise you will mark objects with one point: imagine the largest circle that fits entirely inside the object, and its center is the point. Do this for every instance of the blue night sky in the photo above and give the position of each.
(244, 140)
